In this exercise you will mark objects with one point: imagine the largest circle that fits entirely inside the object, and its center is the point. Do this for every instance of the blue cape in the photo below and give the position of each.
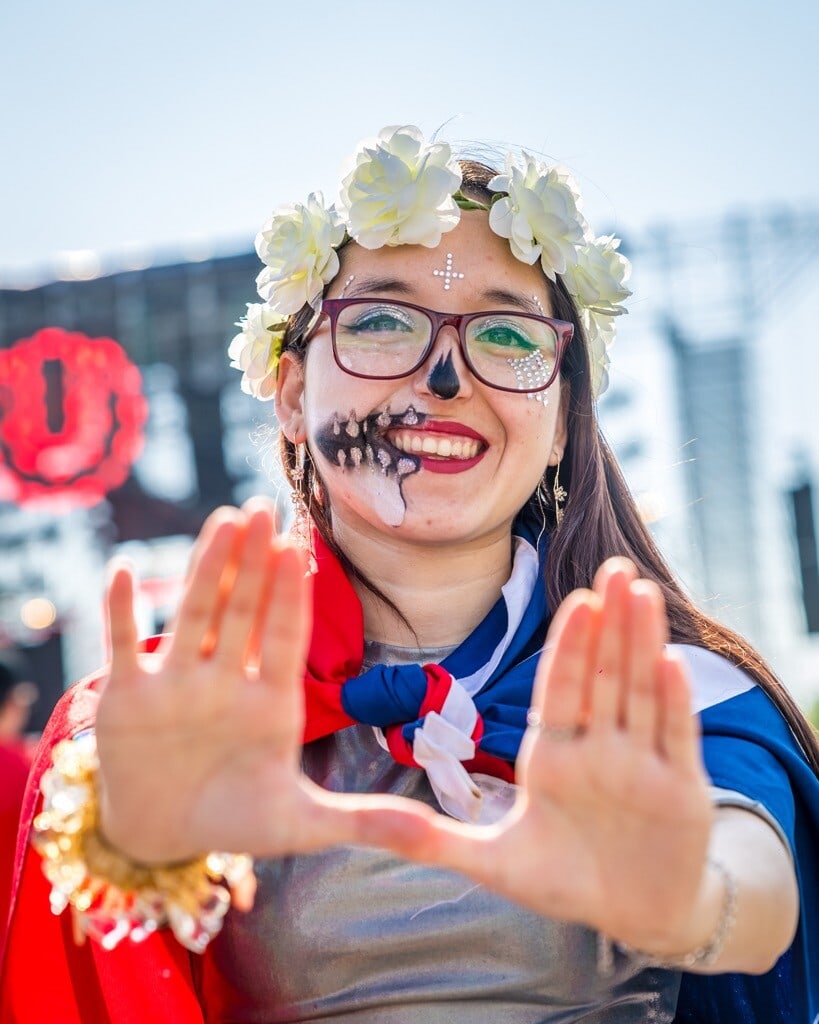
(749, 748)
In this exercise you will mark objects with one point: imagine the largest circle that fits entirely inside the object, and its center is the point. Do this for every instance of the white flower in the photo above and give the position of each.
(298, 244)
(256, 350)
(400, 190)
(599, 330)
(540, 215)
(597, 280)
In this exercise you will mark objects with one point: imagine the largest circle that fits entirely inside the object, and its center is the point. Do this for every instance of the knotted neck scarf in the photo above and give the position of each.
(462, 720)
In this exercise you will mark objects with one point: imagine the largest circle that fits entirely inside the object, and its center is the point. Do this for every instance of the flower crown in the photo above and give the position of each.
(402, 190)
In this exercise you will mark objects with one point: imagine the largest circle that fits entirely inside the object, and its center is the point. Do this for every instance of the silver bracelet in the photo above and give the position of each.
(702, 956)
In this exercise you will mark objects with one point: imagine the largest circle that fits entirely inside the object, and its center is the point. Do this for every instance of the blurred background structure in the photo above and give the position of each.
(146, 148)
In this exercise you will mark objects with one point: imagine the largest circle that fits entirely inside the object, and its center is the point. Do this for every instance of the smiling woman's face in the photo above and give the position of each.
(436, 456)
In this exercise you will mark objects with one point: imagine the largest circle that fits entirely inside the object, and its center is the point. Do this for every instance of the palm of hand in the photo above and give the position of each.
(214, 718)
(613, 819)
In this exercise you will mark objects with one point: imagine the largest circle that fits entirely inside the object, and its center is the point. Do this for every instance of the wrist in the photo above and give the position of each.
(700, 942)
(111, 894)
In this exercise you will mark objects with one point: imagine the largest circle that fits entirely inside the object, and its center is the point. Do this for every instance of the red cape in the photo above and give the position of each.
(44, 976)
(15, 762)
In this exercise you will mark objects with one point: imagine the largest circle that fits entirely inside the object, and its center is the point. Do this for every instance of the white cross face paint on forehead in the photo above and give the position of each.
(448, 274)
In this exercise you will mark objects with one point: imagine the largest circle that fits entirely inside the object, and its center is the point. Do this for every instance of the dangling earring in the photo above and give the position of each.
(300, 451)
(559, 494)
(542, 498)
(301, 518)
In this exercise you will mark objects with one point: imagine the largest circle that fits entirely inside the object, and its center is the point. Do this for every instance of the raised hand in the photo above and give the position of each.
(613, 820)
(199, 743)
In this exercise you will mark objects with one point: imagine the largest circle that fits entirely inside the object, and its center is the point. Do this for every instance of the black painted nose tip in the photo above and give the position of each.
(443, 378)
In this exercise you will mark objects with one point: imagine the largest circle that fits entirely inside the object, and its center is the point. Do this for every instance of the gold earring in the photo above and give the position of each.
(300, 527)
(559, 494)
(299, 455)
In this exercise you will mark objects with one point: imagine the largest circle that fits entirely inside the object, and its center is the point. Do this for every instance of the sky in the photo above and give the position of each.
(165, 129)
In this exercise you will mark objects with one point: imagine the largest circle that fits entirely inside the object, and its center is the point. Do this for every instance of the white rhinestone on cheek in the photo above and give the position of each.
(448, 274)
(532, 371)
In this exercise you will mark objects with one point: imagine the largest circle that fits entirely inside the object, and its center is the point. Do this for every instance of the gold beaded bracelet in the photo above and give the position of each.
(111, 896)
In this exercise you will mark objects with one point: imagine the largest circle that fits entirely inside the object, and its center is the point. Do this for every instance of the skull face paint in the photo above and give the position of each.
(360, 445)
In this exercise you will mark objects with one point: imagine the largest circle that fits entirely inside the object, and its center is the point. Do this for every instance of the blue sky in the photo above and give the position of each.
(177, 126)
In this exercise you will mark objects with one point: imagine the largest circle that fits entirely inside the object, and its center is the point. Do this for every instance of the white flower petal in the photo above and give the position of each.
(298, 244)
(255, 350)
(399, 191)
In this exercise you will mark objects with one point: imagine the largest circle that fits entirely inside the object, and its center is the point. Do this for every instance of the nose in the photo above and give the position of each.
(443, 378)
(445, 374)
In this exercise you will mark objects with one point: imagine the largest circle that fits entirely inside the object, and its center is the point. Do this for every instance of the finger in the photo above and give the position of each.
(646, 637)
(262, 501)
(252, 653)
(244, 595)
(194, 625)
(211, 525)
(679, 728)
(122, 629)
(202, 541)
(608, 678)
(560, 694)
(287, 624)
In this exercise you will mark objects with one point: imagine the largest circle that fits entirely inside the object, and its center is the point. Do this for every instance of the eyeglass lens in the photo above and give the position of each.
(507, 350)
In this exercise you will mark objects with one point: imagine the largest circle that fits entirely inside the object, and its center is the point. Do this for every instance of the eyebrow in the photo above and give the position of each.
(392, 285)
(524, 302)
(395, 286)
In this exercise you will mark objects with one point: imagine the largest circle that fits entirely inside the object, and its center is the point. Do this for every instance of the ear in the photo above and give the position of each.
(289, 402)
(562, 425)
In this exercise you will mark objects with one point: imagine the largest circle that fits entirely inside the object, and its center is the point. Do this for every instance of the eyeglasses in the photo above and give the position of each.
(382, 339)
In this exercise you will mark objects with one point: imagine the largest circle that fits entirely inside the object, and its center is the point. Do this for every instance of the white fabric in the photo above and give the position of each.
(439, 747)
(714, 679)
(517, 592)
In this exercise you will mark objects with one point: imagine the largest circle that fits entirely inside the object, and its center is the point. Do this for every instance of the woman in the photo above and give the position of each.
(434, 368)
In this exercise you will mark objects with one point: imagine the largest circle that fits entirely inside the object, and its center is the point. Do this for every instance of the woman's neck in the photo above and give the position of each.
(444, 591)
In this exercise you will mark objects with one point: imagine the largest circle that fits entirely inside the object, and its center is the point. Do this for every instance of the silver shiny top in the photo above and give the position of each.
(358, 935)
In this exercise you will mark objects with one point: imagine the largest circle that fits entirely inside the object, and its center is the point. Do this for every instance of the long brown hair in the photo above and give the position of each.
(600, 517)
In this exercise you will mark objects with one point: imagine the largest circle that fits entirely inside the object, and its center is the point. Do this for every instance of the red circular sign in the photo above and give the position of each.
(71, 417)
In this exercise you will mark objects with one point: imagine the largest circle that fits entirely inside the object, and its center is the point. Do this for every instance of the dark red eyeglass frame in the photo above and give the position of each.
(332, 307)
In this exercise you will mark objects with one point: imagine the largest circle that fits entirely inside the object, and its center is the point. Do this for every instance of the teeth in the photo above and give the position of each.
(406, 466)
(410, 418)
(384, 419)
(336, 426)
(342, 458)
(355, 457)
(383, 457)
(429, 444)
(351, 429)
(370, 454)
